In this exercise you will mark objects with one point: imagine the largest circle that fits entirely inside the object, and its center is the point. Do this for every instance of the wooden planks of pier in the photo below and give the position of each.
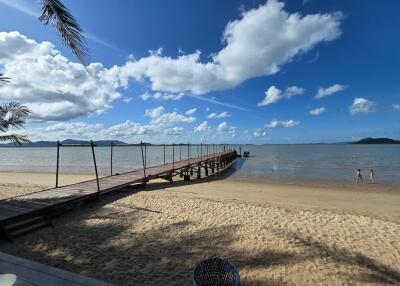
(26, 213)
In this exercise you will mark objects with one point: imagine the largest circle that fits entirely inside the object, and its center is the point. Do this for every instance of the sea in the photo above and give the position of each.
(321, 163)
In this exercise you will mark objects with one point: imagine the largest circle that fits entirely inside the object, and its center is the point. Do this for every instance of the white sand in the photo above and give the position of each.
(275, 234)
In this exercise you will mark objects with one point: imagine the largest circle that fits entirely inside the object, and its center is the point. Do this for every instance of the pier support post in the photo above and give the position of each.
(206, 169)
(212, 166)
(58, 162)
(199, 171)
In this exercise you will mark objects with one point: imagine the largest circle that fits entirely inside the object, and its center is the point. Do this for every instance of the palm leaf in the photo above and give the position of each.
(19, 139)
(12, 114)
(4, 79)
(68, 28)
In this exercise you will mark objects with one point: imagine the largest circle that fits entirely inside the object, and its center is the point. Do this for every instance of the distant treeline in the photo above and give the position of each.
(370, 140)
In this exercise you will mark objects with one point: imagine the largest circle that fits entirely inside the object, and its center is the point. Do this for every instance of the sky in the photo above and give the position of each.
(262, 72)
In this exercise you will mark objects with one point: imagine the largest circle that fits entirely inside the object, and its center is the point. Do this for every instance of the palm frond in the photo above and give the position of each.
(4, 79)
(19, 139)
(12, 114)
(68, 28)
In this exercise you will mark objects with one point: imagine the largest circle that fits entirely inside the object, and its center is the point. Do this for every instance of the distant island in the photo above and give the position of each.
(64, 142)
(370, 140)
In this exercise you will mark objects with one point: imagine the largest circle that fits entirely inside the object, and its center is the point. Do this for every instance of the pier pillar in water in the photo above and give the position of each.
(198, 171)
(206, 169)
(181, 173)
(212, 166)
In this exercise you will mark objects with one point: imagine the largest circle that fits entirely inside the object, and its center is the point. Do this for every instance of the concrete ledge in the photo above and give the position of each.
(33, 273)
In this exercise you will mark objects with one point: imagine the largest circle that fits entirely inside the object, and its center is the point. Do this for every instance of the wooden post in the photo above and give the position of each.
(143, 162)
(240, 150)
(188, 158)
(164, 154)
(145, 155)
(180, 152)
(58, 162)
(173, 157)
(95, 168)
(199, 171)
(201, 151)
(111, 159)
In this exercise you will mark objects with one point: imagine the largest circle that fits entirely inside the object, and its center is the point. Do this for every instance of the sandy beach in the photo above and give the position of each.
(275, 234)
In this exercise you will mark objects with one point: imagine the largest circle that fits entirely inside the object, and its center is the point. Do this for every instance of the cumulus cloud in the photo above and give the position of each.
(161, 96)
(362, 105)
(323, 92)
(318, 111)
(259, 133)
(160, 117)
(218, 115)
(282, 124)
(175, 131)
(191, 111)
(202, 127)
(127, 99)
(257, 44)
(396, 107)
(53, 87)
(273, 94)
(224, 128)
(57, 89)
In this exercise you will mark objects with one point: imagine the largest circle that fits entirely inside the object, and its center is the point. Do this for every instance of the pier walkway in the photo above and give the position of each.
(26, 213)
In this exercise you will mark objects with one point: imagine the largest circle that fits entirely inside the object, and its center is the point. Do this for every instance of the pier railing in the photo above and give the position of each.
(201, 150)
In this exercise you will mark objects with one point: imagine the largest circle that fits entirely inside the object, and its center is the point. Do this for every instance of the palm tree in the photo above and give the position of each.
(69, 30)
(13, 114)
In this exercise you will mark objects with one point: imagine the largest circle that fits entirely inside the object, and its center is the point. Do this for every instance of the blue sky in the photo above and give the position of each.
(218, 71)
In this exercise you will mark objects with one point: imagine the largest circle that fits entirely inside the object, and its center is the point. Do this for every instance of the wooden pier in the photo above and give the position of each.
(22, 214)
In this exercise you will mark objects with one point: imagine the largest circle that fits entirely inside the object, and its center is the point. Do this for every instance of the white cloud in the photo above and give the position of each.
(273, 94)
(49, 84)
(202, 127)
(323, 92)
(396, 107)
(259, 133)
(161, 96)
(175, 131)
(282, 124)
(159, 117)
(64, 130)
(127, 99)
(362, 105)
(257, 44)
(191, 111)
(224, 128)
(218, 115)
(155, 112)
(318, 111)
(58, 89)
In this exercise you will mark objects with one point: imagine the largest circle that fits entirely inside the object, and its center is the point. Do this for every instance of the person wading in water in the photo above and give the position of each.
(359, 176)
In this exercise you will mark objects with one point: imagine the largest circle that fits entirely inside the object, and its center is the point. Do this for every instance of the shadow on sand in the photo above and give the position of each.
(100, 240)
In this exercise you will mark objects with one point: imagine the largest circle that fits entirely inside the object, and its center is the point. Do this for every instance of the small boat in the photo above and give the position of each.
(246, 154)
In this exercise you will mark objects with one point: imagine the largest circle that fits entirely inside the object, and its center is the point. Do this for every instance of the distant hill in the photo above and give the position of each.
(66, 141)
(377, 141)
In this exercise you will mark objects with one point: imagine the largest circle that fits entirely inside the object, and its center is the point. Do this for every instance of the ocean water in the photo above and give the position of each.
(289, 163)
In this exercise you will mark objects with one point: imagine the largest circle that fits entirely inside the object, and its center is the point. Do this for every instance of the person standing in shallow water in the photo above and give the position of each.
(372, 176)
(359, 176)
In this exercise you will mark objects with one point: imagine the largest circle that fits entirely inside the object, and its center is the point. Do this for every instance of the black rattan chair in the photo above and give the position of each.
(216, 271)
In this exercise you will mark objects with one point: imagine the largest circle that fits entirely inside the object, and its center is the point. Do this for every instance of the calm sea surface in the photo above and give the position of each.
(290, 163)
